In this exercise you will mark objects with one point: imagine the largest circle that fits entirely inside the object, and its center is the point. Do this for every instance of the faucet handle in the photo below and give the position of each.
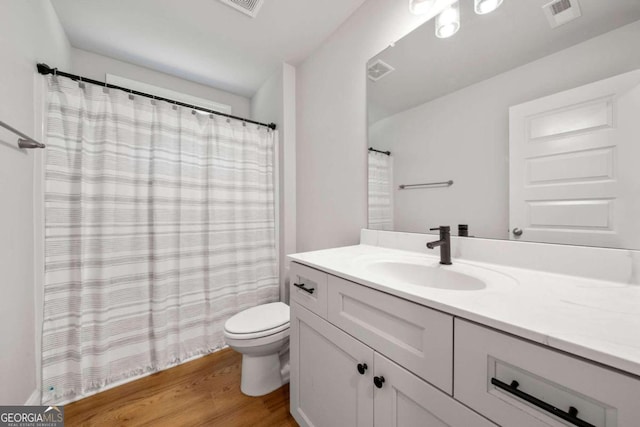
(441, 228)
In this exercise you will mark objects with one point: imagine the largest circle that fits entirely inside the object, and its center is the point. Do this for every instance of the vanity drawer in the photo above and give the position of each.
(309, 288)
(603, 397)
(416, 337)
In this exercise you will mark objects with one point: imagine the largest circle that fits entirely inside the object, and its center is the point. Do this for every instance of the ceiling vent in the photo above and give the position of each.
(559, 12)
(249, 7)
(378, 70)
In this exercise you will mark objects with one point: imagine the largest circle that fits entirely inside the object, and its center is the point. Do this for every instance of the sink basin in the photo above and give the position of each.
(432, 276)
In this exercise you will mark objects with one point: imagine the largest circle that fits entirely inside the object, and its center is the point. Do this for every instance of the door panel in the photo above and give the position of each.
(585, 116)
(585, 165)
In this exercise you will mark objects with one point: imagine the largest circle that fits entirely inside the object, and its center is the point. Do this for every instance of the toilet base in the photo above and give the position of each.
(260, 374)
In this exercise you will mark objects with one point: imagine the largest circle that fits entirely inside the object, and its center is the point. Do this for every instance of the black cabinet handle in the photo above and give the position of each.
(362, 368)
(571, 416)
(301, 286)
(378, 381)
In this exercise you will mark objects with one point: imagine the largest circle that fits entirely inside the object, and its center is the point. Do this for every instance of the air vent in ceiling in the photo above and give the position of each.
(249, 7)
(559, 12)
(378, 70)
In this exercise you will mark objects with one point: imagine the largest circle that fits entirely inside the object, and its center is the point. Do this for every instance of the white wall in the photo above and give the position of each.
(331, 124)
(464, 136)
(95, 66)
(275, 102)
(29, 33)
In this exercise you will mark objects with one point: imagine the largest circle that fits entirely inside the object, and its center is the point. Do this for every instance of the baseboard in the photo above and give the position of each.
(34, 399)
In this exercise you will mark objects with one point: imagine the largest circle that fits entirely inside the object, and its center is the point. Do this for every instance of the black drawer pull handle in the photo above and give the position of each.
(362, 368)
(571, 416)
(378, 381)
(301, 286)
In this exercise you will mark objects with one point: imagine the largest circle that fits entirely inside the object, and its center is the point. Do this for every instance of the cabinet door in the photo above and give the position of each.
(327, 390)
(404, 400)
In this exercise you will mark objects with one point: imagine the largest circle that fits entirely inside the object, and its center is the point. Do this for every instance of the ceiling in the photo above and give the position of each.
(204, 40)
(515, 34)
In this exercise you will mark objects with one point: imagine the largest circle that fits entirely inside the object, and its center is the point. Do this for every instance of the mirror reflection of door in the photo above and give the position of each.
(573, 165)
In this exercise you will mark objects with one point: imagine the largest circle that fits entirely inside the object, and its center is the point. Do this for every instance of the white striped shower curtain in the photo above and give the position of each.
(380, 183)
(159, 225)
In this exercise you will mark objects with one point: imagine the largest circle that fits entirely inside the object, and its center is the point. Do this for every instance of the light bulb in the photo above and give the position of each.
(448, 22)
(486, 6)
(420, 7)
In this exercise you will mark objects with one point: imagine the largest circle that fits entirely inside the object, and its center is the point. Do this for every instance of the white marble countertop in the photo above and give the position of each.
(594, 319)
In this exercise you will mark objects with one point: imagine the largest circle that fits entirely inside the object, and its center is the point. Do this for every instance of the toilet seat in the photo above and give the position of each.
(241, 344)
(257, 322)
(254, 335)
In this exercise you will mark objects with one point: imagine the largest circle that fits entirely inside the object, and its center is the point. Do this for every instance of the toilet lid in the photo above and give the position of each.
(261, 318)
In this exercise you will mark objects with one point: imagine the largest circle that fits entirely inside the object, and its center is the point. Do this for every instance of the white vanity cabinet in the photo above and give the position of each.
(529, 348)
(355, 373)
(364, 357)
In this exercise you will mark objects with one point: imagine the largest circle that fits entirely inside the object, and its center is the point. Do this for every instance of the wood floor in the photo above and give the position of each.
(204, 392)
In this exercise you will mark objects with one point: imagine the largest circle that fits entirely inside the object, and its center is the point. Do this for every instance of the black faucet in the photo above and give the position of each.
(444, 243)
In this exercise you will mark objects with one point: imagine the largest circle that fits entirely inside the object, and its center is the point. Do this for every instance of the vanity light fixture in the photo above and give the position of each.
(486, 6)
(420, 7)
(448, 22)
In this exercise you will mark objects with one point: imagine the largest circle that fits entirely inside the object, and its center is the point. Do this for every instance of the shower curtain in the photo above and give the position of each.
(159, 225)
(380, 191)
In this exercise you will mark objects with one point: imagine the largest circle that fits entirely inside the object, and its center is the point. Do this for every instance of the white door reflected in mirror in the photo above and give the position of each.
(573, 157)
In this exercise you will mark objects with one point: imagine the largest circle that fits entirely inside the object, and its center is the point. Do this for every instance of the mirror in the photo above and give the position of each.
(524, 125)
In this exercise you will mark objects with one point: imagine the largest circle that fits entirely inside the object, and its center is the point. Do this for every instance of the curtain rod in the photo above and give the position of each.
(388, 153)
(44, 69)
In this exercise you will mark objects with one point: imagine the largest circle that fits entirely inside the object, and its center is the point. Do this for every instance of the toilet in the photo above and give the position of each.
(261, 335)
